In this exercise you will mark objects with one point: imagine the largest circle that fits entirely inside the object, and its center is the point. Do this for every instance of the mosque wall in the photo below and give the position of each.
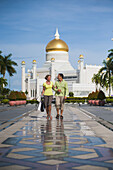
(57, 61)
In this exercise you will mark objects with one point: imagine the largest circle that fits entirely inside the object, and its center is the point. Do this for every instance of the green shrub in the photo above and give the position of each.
(75, 101)
(15, 95)
(18, 95)
(5, 101)
(23, 96)
(5, 91)
(101, 95)
(12, 96)
(109, 100)
(93, 95)
(2, 97)
(33, 101)
(71, 94)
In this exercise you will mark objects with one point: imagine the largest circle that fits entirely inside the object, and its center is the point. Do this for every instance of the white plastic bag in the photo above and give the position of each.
(39, 106)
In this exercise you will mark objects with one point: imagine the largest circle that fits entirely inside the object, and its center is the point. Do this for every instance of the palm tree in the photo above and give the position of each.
(6, 64)
(111, 53)
(3, 82)
(106, 72)
(96, 79)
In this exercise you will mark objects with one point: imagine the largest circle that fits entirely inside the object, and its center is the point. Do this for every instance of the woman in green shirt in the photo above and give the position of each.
(48, 95)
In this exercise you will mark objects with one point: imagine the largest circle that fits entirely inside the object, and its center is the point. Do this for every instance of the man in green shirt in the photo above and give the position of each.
(61, 92)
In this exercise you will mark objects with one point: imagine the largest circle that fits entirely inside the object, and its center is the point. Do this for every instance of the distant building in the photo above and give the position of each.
(57, 61)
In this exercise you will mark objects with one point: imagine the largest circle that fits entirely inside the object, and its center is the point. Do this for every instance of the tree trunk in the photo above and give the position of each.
(3, 78)
(109, 84)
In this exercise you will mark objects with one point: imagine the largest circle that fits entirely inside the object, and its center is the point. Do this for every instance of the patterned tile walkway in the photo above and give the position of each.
(76, 142)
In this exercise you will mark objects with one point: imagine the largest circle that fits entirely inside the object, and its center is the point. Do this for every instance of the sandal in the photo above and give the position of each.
(61, 117)
(57, 116)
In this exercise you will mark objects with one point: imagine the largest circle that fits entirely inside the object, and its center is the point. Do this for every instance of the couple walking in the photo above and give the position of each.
(61, 91)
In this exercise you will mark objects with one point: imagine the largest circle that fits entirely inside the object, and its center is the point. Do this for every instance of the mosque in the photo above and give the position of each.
(57, 61)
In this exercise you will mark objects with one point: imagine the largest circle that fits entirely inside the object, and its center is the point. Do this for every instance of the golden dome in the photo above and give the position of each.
(57, 44)
(78, 61)
(81, 56)
(34, 61)
(52, 59)
(23, 62)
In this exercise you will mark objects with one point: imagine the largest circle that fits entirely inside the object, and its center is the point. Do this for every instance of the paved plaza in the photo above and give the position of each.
(76, 142)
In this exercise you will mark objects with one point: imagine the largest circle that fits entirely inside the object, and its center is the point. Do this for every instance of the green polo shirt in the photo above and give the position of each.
(62, 86)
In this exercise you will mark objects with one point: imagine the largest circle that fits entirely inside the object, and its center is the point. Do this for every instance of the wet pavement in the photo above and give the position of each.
(76, 142)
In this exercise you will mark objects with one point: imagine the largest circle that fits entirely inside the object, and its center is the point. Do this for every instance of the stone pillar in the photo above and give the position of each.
(23, 76)
(52, 70)
(34, 69)
(38, 95)
(29, 89)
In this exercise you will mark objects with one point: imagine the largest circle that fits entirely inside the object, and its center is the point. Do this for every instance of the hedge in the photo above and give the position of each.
(5, 101)
(98, 95)
(15, 95)
(32, 101)
(75, 100)
(109, 100)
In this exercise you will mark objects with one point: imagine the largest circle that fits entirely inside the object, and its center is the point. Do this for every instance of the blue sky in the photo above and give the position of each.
(26, 26)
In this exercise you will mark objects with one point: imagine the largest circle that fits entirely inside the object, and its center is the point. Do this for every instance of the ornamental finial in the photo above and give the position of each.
(57, 34)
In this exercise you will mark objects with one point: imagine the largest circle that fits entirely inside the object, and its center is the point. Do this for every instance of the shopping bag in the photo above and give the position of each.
(42, 106)
(39, 106)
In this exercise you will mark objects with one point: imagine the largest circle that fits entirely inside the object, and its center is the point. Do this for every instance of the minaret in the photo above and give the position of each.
(34, 69)
(52, 70)
(38, 92)
(23, 75)
(29, 91)
(81, 66)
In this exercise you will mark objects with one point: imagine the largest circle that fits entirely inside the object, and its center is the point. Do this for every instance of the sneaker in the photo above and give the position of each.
(57, 116)
(61, 117)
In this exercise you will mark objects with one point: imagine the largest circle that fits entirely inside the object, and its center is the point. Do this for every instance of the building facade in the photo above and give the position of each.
(57, 61)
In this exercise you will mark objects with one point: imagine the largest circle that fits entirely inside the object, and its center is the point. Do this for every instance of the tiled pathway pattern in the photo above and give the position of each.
(40, 144)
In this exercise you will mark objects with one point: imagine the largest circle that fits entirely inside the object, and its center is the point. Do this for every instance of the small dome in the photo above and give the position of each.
(52, 59)
(57, 44)
(23, 62)
(34, 61)
(78, 61)
(81, 56)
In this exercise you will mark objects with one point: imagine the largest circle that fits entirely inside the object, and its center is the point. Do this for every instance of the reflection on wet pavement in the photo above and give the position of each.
(38, 143)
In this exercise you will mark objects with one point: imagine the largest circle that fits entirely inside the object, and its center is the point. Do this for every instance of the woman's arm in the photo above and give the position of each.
(54, 87)
(43, 90)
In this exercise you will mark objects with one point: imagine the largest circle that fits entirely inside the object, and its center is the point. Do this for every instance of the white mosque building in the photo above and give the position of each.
(57, 61)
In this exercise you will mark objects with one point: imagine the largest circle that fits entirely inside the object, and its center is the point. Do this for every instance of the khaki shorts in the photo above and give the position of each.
(60, 102)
